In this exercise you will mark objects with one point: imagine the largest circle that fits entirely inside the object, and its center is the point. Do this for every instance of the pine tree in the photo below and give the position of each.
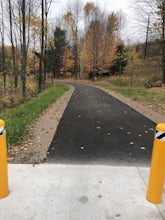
(121, 60)
(55, 53)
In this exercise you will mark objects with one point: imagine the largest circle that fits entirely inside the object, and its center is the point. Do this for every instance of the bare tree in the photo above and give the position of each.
(146, 42)
(154, 13)
(24, 51)
(162, 11)
(111, 31)
(10, 9)
(2, 30)
(40, 73)
(94, 35)
(46, 11)
(74, 13)
(121, 20)
(88, 8)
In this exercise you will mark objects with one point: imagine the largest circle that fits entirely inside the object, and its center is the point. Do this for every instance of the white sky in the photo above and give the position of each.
(114, 5)
(129, 31)
(109, 5)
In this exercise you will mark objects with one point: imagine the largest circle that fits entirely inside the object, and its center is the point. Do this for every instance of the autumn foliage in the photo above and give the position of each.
(33, 50)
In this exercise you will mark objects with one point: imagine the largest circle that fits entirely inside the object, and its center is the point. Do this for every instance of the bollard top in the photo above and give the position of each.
(160, 127)
(2, 127)
(2, 123)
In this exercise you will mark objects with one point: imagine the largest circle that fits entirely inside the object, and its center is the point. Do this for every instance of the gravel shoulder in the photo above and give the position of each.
(34, 146)
(147, 112)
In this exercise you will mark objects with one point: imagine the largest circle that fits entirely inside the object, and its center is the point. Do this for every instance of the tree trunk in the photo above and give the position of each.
(146, 43)
(23, 76)
(163, 42)
(12, 44)
(3, 49)
(45, 46)
(76, 56)
(40, 75)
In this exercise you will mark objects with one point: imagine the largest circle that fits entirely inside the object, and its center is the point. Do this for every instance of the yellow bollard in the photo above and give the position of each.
(4, 191)
(157, 170)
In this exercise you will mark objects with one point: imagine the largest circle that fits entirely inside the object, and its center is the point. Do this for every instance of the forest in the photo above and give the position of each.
(85, 43)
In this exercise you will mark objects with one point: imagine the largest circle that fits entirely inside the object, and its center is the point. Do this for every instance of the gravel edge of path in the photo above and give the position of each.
(148, 113)
(34, 147)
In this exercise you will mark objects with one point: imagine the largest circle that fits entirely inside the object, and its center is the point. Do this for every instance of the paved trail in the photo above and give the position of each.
(96, 128)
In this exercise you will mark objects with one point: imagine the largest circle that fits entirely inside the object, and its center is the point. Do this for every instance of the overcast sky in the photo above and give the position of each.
(114, 5)
(109, 5)
(129, 32)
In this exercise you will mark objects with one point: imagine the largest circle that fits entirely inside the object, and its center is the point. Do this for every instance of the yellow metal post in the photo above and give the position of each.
(157, 170)
(4, 190)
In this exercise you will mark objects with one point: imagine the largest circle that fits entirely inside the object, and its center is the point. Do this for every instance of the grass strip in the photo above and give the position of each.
(152, 98)
(23, 115)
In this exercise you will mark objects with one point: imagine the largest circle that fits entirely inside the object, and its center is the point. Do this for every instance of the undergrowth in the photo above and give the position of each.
(23, 115)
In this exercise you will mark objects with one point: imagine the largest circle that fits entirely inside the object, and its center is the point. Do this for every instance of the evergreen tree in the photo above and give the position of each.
(121, 60)
(55, 53)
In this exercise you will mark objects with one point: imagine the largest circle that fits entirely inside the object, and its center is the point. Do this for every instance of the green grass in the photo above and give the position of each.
(152, 98)
(23, 115)
(133, 92)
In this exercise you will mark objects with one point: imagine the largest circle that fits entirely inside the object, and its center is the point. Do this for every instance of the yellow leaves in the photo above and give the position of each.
(35, 20)
(67, 16)
(69, 61)
(8, 50)
(88, 7)
(133, 59)
(51, 42)
(133, 55)
(112, 23)
(69, 20)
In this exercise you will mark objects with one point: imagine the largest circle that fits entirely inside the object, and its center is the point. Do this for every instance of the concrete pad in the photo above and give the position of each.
(144, 172)
(77, 192)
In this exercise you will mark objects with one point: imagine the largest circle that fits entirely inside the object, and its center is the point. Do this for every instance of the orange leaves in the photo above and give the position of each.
(35, 20)
(88, 7)
(112, 23)
(67, 16)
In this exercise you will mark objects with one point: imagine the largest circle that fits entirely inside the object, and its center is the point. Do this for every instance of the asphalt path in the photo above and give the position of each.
(96, 128)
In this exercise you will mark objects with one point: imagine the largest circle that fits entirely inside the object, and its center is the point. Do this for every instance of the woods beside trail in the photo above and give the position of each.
(85, 42)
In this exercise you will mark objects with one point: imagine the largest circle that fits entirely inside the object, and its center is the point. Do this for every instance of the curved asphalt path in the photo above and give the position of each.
(96, 128)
